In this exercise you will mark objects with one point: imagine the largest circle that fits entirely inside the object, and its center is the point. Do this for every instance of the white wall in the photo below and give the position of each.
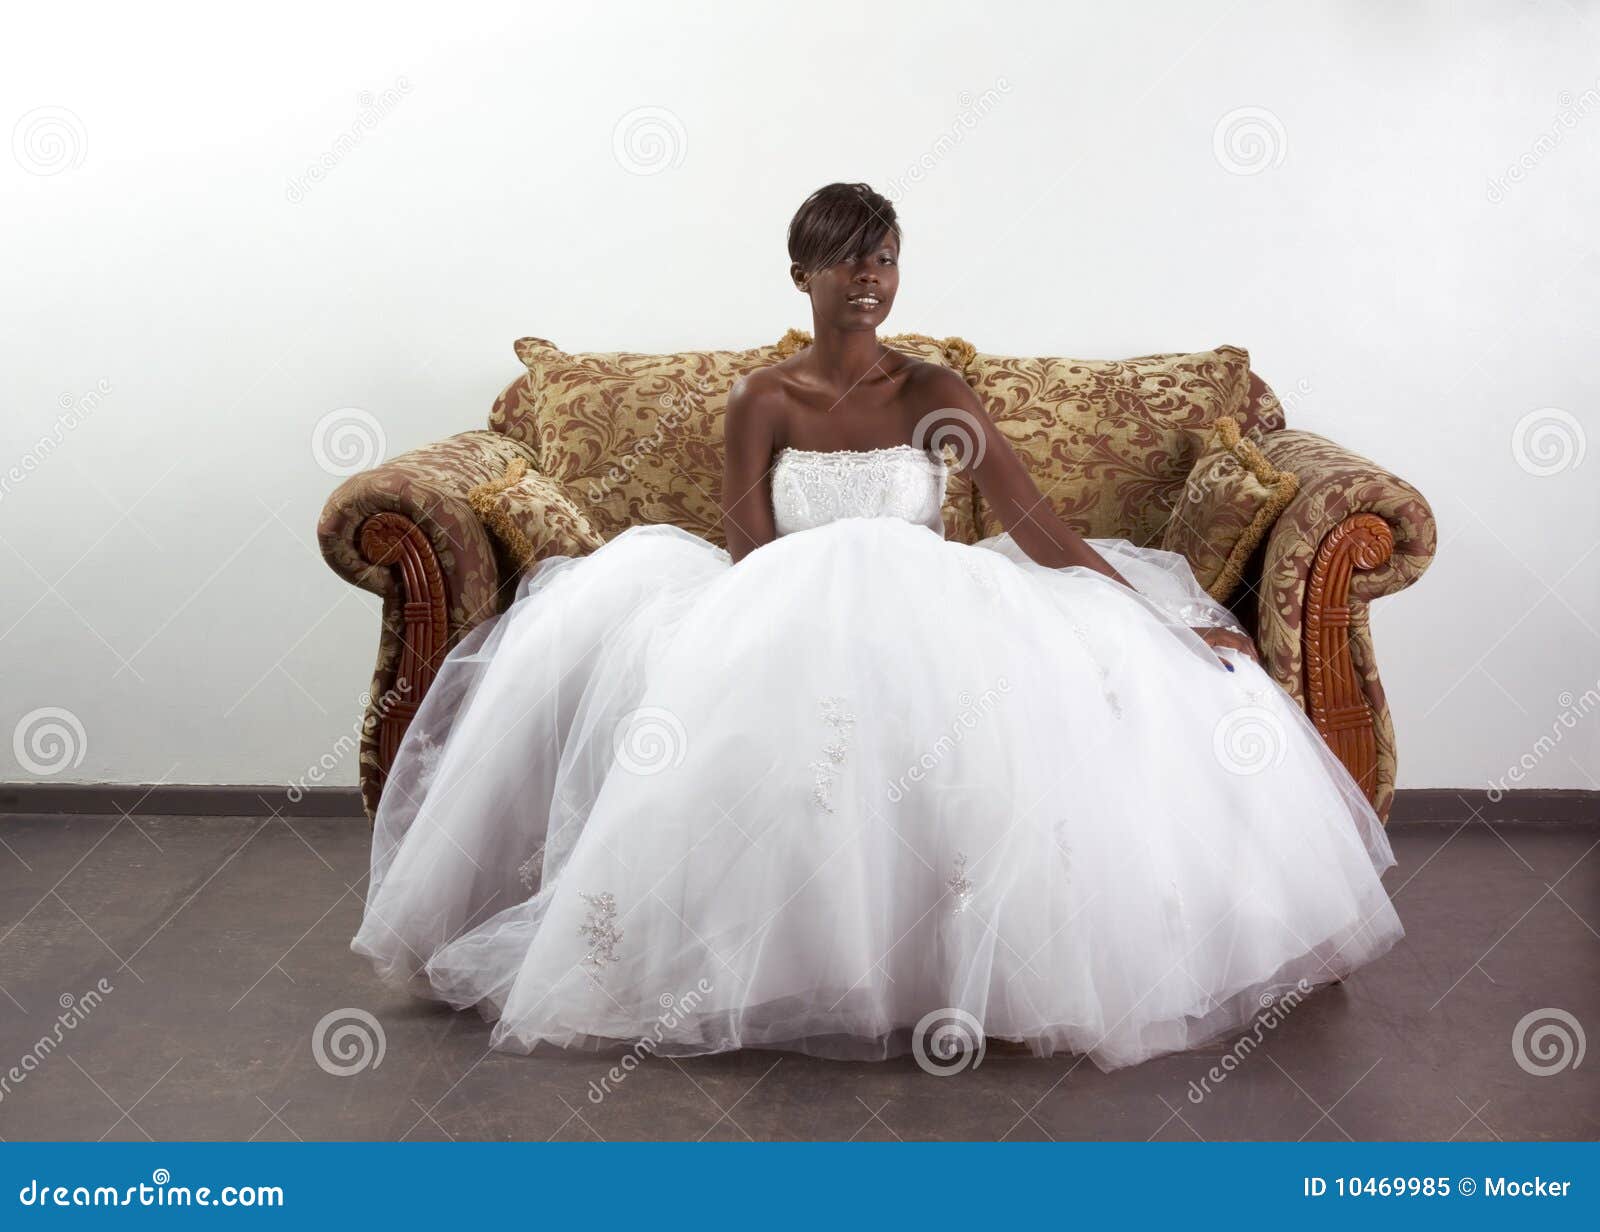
(161, 580)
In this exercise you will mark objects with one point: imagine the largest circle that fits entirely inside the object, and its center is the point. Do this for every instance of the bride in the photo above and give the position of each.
(847, 779)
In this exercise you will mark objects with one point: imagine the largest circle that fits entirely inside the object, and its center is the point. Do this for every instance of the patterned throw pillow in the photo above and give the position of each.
(635, 438)
(531, 517)
(1230, 501)
(1110, 442)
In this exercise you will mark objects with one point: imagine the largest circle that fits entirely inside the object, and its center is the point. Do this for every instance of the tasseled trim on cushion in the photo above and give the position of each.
(958, 352)
(1283, 484)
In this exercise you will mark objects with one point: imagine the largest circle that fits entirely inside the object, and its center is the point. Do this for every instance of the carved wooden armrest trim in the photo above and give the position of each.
(394, 541)
(1337, 702)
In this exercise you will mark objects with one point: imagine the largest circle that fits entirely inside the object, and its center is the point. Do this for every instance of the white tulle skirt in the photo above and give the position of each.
(865, 779)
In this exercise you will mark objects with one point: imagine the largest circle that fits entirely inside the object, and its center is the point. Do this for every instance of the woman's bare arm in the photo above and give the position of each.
(748, 439)
(1004, 480)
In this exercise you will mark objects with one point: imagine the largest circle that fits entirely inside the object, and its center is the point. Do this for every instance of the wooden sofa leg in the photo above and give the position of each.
(392, 540)
(1337, 703)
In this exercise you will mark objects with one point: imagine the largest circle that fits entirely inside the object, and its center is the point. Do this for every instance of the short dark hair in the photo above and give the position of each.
(839, 222)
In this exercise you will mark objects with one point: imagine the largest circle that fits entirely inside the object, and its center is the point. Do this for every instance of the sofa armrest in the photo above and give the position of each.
(428, 487)
(1352, 533)
(406, 531)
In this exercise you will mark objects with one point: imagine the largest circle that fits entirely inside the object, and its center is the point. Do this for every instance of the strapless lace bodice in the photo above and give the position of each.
(812, 488)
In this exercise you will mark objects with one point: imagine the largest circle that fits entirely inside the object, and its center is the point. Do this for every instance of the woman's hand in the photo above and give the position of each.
(1219, 638)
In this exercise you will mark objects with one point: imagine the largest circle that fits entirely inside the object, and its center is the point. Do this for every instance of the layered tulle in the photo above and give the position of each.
(863, 776)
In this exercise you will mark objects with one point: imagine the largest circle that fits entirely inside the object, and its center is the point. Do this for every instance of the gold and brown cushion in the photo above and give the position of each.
(636, 438)
(531, 517)
(1231, 499)
(1110, 442)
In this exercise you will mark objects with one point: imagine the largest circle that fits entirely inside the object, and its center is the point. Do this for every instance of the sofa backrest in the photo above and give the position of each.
(1111, 442)
(637, 438)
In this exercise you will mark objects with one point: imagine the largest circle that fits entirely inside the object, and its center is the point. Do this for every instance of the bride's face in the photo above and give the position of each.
(858, 292)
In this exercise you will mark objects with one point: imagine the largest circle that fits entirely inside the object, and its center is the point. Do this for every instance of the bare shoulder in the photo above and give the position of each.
(754, 405)
(933, 387)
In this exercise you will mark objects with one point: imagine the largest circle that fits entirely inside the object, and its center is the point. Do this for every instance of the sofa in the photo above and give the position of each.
(592, 443)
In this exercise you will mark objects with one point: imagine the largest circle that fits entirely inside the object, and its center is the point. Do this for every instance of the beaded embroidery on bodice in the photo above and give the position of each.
(811, 488)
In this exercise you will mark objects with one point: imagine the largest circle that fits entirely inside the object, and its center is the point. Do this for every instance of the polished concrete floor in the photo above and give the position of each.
(177, 970)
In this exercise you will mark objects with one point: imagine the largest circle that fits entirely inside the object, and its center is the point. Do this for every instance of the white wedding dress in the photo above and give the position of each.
(864, 775)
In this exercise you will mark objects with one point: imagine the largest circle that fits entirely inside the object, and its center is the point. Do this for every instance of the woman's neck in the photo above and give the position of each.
(844, 358)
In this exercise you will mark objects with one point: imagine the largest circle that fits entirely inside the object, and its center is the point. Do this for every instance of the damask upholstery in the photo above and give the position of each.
(1110, 442)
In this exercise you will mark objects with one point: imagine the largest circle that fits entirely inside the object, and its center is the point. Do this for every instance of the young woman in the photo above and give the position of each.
(847, 779)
